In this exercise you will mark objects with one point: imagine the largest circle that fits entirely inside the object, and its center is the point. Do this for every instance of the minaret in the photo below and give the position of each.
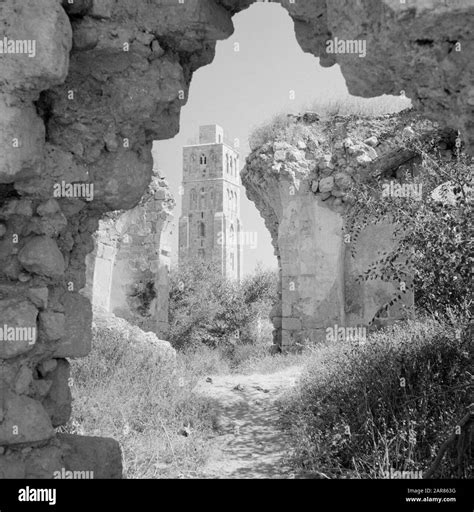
(210, 226)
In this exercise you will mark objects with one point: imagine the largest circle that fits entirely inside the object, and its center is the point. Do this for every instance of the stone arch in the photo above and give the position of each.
(81, 121)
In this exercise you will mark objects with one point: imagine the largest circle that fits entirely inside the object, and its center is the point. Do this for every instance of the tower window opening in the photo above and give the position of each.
(203, 160)
(202, 230)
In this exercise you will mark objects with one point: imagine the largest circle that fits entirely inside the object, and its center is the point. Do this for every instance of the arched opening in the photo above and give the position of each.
(103, 137)
(202, 229)
(202, 199)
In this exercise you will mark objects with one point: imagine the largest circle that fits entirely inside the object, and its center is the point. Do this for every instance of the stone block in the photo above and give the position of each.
(342, 180)
(99, 455)
(371, 141)
(17, 327)
(52, 325)
(326, 184)
(23, 379)
(21, 139)
(58, 401)
(39, 297)
(25, 420)
(41, 256)
(77, 340)
(45, 23)
(291, 324)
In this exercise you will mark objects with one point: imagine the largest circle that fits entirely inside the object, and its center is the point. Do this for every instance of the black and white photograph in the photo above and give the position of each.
(236, 243)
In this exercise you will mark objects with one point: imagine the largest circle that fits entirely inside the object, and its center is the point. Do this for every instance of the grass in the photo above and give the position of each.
(144, 403)
(125, 390)
(349, 417)
(281, 126)
(366, 411)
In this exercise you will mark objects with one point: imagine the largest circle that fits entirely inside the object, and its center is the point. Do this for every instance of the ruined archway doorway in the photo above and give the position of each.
(89, 117)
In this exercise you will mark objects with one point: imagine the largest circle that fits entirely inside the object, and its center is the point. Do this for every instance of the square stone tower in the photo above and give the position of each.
(210, 226)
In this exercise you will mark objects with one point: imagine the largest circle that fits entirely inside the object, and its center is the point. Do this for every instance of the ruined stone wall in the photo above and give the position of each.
(107, 78)
(131, 250)
(302, 183)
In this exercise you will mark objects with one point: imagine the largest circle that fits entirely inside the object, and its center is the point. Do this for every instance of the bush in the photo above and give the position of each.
(206, 308)
(434, 250)
(365, 411)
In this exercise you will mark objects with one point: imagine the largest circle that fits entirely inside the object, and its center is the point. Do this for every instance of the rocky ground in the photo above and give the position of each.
(250, 442)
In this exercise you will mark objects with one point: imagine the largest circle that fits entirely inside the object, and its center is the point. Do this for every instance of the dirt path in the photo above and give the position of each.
(250, 443)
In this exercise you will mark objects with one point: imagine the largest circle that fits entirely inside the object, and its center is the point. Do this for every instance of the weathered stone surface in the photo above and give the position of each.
(77, 340)
(52, 325)
(432, 65)
(45, 23)
(318, 267)
(58, 401)
(20, 316)
(47, 367)
(50, 207)
(126, 254)
(25, 421)
(130, 70)
(326, 184)
(23, 379)
(99, 455)
(39, 297)
(41, 255)
(21, 138)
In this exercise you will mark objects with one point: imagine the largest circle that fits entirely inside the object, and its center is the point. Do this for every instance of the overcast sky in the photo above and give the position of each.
(241, 89)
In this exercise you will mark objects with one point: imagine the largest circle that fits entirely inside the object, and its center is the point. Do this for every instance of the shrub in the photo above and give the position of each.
(206, 308)
(433, 254)
(366, 410)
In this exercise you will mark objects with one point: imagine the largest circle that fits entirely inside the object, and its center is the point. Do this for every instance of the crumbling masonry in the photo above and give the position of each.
(107, 78)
